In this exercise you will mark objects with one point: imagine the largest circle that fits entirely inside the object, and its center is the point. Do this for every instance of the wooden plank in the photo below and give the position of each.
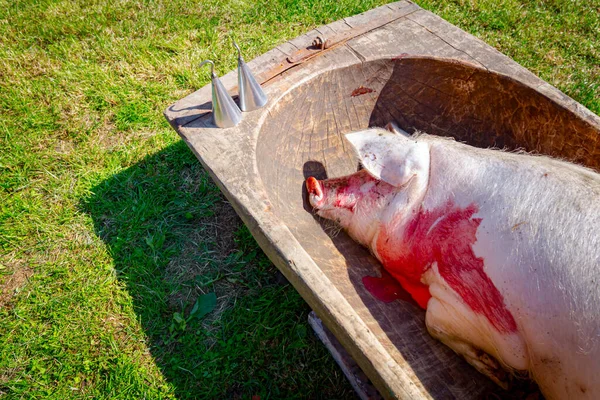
(288, 55)
(403, 37)
(384, 13)
(327, 31)
(287, 48)
(260, 166)
(305, 40)
(359, 381)
(473, 47)
(339, 26)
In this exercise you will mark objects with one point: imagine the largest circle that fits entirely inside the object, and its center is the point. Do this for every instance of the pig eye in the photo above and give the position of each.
(360, 167)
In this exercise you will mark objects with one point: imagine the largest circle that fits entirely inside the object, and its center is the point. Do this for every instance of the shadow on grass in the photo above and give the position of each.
(173, 237)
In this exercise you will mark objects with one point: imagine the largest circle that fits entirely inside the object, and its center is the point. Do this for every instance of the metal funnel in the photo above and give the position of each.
(226, 113)
(252, 96)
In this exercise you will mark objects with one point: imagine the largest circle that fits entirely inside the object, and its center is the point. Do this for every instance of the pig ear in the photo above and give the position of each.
(392, 127)
(390, 157)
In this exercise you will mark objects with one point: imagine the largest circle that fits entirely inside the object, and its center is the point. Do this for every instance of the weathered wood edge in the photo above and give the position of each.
(182, 111)
(298, 267)
(277, 241)
(186, 110)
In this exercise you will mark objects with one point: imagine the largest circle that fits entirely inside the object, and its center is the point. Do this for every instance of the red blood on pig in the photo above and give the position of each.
(445, 236)
(506, 264)
(345, 193)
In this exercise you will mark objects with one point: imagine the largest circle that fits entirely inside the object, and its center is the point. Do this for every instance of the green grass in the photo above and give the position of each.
(110, 231)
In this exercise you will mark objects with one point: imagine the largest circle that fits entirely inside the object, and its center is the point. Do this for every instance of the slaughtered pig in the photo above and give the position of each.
(501, 249)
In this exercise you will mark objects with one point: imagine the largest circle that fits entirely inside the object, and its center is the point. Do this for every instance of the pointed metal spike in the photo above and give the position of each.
(252, 96)
(226, 114)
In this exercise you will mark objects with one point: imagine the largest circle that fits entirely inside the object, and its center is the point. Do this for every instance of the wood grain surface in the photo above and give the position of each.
(422, 73)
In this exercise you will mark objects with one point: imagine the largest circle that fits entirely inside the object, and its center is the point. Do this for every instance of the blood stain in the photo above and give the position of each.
(445, 236)
(386, 288)
(359, 91)
(400, 57)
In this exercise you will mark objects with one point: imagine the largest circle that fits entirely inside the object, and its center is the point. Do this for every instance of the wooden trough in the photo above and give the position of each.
(394, 63)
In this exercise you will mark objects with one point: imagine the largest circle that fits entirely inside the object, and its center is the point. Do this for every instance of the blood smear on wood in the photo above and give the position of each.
(361, 90)
(386, 288)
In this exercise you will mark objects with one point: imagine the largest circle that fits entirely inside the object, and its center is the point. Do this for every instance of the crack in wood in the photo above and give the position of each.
(346, 22)
(448, 43)
(302, 131)
(360, 57)
(393, 116)
(337, 127)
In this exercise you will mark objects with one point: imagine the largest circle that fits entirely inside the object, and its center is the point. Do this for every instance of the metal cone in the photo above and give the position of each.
(226, 113)
(252, 96)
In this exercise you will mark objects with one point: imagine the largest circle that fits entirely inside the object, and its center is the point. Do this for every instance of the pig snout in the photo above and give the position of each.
(316, 195)
(343, 193)
(353, 201)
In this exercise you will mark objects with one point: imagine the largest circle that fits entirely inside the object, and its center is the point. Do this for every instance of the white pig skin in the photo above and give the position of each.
(538, 237)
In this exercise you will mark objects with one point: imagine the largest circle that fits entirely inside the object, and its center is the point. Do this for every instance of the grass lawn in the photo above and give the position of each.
(123, 271)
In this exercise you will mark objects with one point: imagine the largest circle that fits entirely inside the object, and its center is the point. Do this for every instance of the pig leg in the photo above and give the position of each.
(452, 322)
(441, 323)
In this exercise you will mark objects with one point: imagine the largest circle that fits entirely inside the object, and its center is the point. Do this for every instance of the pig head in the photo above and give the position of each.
(395, 177)
(467, 232)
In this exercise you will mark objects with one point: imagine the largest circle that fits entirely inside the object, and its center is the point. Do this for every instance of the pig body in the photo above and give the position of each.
(501, 249)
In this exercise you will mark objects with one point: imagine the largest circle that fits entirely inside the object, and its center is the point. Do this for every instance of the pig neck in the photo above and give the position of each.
(402, 209)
